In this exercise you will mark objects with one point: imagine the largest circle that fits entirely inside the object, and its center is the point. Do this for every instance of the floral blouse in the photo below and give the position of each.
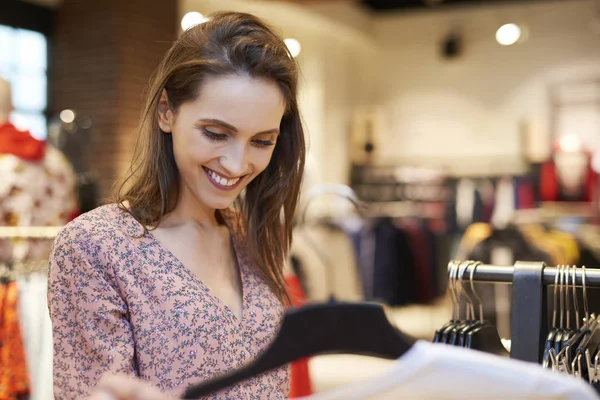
(121, 302)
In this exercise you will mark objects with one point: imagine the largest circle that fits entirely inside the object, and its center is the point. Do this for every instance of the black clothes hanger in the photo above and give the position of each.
(444, 334)
(486, 339)
(552, 333)
(560, 333)
(339, 328)
(483, 336)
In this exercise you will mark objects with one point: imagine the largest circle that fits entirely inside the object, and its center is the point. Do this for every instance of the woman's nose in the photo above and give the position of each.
(235, 160)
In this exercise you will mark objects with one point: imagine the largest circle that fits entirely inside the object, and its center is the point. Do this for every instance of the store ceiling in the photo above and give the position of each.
(45, 3)
(381, 6)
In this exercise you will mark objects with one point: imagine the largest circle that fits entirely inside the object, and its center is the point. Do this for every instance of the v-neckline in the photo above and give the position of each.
(207, 290)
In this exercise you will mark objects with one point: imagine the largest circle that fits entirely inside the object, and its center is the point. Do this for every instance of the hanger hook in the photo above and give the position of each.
(568, 303)
(473, 268)
(585, 298)
(562, 296)
(469, 306)
(471, 265)
(575, 301)
(452, 288)
(555, 307)
(459, 288)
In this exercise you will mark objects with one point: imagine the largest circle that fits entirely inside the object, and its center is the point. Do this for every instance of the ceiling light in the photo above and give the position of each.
(67, 116)
(293, 46)
(508, 34)
(191, 19)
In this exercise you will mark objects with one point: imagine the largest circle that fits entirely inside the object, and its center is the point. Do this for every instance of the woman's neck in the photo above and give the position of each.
(188, 210)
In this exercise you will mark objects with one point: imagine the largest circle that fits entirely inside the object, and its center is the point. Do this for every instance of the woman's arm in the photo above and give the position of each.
(120, 387)
(91, 331)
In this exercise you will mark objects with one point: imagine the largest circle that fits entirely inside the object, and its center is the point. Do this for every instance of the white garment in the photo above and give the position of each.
(431, 371)
(37, 334)
(328, 261)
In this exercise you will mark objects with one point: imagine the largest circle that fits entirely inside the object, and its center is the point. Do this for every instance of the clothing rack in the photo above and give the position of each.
(400, 209)
(529, 326)
(11, 271)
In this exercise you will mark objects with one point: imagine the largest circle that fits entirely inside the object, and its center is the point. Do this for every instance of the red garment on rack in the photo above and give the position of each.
(550, 189)
(14, 376)
(20, 143)
(300, 384)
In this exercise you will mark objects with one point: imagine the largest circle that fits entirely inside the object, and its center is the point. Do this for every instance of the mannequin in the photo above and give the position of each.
(568, 175)
(5, 101)
(37, 186)
(13, 141)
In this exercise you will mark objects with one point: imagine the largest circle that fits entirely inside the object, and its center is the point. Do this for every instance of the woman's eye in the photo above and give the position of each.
(263, 143)
(213, 135)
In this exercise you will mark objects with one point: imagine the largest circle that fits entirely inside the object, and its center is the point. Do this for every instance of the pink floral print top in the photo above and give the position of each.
(121, 302)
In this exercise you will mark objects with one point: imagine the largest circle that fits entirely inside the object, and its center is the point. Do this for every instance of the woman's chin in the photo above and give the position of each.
(220, 204)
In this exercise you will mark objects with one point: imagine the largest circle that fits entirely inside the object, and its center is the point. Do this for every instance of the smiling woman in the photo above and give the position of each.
(181, 277)
(230, 154)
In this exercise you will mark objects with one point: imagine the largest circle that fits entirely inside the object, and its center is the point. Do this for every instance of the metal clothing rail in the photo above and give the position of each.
(529, 316)
(504, 274)
(29, 232)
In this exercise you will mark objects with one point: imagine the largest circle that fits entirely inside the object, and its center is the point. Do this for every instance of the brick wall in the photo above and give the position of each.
(103, 53)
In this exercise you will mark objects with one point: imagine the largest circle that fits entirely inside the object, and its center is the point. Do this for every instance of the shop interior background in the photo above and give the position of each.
(439, 115)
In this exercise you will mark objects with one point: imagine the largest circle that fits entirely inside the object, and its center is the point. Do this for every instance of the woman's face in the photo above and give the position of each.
(224, 138)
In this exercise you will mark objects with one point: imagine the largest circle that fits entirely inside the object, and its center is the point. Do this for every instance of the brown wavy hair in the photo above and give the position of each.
(229, 43)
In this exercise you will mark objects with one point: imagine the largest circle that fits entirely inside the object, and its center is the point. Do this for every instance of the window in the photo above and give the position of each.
(23, 62)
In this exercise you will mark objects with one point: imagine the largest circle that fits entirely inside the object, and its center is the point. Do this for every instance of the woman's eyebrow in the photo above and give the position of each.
(233, 128)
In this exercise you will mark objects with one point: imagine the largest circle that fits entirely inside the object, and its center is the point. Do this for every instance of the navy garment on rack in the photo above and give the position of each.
(395, 277)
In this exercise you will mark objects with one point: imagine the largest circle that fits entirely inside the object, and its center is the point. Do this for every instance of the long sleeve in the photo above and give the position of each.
(91, 331)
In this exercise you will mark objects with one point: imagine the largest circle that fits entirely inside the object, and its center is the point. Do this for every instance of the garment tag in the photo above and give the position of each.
(502, 255)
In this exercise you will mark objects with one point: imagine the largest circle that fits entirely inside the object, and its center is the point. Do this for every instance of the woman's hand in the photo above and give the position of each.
(123, 387)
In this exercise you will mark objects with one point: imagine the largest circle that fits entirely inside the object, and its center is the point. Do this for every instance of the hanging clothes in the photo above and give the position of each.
(300, 382)
(324, 258)
(14, 376)
(395, 275)
(37, 333)
(556, 186)
(436, 371)
(419, 245)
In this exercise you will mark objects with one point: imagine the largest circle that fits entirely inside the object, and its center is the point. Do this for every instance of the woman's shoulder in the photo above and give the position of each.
(102, 223)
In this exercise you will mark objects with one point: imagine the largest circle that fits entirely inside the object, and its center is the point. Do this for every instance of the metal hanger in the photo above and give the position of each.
(561, 326)
(552, 333)
(460, 290)
(591, 338)
(569, 332)
(484, 336)
(475, 322)
(441, 335)
(465, 326)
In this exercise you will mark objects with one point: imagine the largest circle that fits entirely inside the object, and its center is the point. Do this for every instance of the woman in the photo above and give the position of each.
(181, 278)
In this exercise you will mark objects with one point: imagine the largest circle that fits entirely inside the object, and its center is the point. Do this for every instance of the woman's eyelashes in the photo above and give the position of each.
(263, 143)
(219, 137)
(213, 135)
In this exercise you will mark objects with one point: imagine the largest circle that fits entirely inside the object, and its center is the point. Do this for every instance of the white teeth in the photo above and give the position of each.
(222, 181)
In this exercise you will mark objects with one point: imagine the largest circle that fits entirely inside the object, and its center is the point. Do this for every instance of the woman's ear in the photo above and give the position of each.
(165, 115)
